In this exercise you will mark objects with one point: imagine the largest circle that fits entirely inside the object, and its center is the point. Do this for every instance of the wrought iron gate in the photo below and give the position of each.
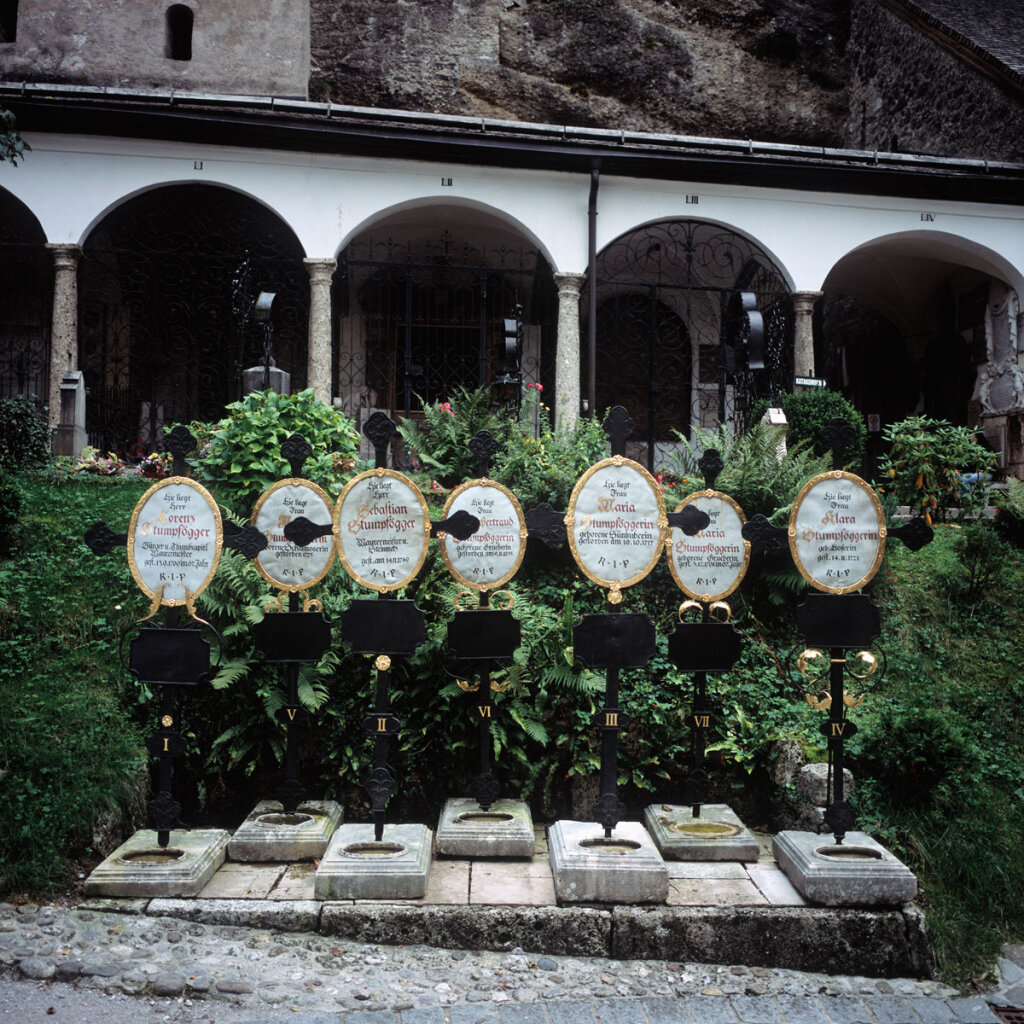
(414, 321)
(26, 297)
(667, 346)
(165, 286)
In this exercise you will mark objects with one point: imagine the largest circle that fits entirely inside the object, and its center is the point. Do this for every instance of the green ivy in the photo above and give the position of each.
(24, 436)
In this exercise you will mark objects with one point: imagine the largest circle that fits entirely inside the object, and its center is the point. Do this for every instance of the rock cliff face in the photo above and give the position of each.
(772, 70)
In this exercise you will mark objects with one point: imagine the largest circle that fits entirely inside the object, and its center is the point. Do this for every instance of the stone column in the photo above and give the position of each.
(567, 353)
(64, 324)
(803, 332)
(318, 354)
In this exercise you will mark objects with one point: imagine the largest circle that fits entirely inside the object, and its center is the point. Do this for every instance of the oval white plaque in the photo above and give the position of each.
(616, 523)
(174, 541)
(837, 532)
(710, 565)
(492, 556)
(288, 566)
(382, 527)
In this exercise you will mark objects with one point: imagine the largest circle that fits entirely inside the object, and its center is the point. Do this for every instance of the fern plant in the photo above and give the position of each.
(756, 474)
(441, 445)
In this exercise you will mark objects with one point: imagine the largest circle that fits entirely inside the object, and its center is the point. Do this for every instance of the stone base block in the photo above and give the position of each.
(268, 834)
(139, 867)
(587, 868)
(718, 834)
(504, 830)
(357, 868)
(860, 872)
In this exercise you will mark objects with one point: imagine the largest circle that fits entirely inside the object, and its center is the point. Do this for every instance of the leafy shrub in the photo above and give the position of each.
(983, 559)
(808, 413)
(928, 462)
(441, 445)
(11, 506)
(241, 456)
(912, 750)
(69, 748)
(24, 436)
(539, 464)
(1010, 511)
(754, 475)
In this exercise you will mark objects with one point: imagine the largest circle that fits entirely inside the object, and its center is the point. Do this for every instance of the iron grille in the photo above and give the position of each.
(665, 345)
(26, 296)
(165, 288)
(415, 320)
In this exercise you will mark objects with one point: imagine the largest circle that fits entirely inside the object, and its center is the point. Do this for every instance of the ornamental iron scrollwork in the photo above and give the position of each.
(416, 320)
(159, 281)
(26, 296)
(664, 294)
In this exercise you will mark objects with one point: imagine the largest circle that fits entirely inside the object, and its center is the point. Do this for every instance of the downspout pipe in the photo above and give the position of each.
(595, 180)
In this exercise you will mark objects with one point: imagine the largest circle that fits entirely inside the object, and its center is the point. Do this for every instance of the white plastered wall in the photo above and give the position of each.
(71, 182)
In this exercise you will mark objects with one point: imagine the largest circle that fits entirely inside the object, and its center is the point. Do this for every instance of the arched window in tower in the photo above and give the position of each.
(179, 32)
(8, 21)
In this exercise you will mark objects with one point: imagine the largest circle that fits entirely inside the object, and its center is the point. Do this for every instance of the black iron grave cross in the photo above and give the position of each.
(291, 638)
(482, 635)
(616, 526)
(836, 537)
(382, 527)
(707, 571)
(174, 545)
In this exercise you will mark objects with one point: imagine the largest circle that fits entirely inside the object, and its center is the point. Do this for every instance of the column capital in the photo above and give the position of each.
(320, 266)
(569, 282)
(64, 255)
(803, 302)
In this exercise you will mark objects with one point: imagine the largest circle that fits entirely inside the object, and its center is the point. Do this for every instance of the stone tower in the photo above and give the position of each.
(241, 47)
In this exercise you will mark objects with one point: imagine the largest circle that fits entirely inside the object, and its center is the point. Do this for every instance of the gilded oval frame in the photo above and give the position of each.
(730, 503)
(218, 542)
(339, 506)
(523, 534)
(876, 505)
(294, 481)
(618, 461)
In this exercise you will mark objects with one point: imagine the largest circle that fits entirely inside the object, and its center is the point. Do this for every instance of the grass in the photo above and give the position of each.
(69, 749)
(939, 756)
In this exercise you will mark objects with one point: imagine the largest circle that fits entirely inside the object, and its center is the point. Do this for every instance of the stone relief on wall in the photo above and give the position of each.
(1001, 380)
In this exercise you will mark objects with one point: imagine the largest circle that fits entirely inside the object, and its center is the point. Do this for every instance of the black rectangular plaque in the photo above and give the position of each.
(174, 657)
(484, 635)
(838, 620)
(704, 646)
(614, 640)
(379, 626)
(292, 636)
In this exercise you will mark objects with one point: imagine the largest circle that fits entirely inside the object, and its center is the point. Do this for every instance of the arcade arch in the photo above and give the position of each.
(167, 282)
(924, 323)
(26, 294)
(669, 337)
(420, 299)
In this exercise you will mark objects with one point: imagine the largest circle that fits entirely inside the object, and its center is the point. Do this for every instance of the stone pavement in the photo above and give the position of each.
(256, 948)
(272, 976)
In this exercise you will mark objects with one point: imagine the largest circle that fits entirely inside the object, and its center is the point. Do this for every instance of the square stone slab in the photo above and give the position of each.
(587, 868)
(268, 834)
(718, 834)
(139, 867)
(357, 868)
(512, 883)
(504, 830)
(861, 872)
